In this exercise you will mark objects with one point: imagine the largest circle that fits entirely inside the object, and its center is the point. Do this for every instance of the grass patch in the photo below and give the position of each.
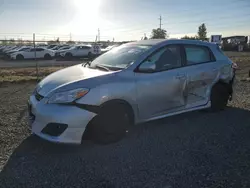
(25, 74)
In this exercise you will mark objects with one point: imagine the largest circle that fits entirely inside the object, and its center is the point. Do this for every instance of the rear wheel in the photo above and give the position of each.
(219, 97)
(19, 57)
(47, 56)
(110, 125)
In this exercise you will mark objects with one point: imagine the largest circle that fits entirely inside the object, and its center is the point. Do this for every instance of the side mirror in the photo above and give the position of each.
(147, 66)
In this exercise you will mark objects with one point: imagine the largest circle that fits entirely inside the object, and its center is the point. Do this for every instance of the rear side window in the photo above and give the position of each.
(86, 47)
(39, 49)
(198, 54)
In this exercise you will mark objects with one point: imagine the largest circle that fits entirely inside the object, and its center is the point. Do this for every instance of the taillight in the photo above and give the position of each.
(234, 66)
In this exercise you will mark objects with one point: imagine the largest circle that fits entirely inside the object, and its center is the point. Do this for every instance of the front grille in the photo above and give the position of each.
(38, 96)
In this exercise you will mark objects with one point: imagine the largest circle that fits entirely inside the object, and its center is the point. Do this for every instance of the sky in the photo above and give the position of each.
(120, 19)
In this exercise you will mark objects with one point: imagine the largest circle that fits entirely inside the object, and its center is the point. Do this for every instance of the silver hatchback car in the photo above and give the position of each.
(133, 83)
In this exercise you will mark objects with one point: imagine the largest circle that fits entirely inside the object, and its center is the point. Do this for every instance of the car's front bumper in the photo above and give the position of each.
(43, 116)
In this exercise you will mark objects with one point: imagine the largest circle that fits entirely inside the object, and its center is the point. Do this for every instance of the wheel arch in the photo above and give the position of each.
(228, 85)
(97, 110)
(122, 102)
(20, 55)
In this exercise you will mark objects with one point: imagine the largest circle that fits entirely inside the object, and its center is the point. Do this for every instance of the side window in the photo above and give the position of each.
(197, 54)
(86, 47)
(39, 49)
(167, 58)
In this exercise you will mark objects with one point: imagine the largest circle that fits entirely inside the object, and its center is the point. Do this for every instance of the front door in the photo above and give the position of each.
(161, 90)
(40, 52)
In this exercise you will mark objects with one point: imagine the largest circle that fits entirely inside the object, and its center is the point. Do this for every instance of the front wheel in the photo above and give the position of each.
(19, 57)
(110, 125)
(90, 55)
(219, 97)
(47, 57)
(68, 55)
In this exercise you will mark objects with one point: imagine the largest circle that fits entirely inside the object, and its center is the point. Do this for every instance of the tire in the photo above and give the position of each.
(47, 56)
(219, 97)
(19, 57)
(90, 55)
(68, 55)
(110, 125)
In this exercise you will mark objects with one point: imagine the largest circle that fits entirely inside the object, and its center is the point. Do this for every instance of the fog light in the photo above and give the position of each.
(54, 129)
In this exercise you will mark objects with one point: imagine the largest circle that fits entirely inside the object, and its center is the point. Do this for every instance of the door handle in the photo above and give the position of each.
(180, 76)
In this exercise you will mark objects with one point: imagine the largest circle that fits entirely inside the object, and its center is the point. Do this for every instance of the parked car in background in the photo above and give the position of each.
(55, 48)
(33, 53)
(108, 48)
(7, 55)
(61, 50)
(22, 48)
(51, 46)
(81, 51)
(134, 83)
(8, 48)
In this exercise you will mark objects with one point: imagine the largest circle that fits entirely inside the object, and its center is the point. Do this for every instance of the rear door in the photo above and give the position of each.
(161, 91)
(202, 71)
(82, 51)
(86, 50)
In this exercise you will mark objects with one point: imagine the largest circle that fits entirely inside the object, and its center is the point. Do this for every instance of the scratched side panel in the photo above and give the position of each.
(200, 80)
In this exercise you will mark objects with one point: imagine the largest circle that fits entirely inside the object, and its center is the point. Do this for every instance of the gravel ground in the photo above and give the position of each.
(196, 149)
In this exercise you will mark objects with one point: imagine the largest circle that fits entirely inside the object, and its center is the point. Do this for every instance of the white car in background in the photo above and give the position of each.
(23, 48)
(8, 48)
(61, 50)
(108, 48)
(33, 53)
(81, 51)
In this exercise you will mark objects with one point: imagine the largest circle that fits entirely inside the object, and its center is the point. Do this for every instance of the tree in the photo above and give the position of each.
(190, 38)
(159, 33)
(202, 32)
(70, 42)
(12, 41)
(51, 42)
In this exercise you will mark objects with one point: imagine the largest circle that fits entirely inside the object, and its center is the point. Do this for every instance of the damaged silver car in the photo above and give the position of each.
(133, 83)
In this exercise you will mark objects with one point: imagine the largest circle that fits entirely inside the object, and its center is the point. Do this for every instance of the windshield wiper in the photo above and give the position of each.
(102, 67)
(87, 63)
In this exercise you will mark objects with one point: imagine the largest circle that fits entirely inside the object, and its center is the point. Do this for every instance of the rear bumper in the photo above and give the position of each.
(71, 120)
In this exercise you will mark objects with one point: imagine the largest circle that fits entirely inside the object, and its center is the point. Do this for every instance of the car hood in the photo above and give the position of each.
(65, 76)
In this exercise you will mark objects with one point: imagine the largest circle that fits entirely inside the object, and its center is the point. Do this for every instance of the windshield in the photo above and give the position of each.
(120, 57)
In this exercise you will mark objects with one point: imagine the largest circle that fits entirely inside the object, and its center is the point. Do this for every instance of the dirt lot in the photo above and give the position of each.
(195, 149)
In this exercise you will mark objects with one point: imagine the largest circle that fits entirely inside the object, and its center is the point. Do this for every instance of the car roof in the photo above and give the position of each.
(153, 42)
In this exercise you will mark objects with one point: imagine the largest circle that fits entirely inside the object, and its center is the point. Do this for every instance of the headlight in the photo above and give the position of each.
(68, 96)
